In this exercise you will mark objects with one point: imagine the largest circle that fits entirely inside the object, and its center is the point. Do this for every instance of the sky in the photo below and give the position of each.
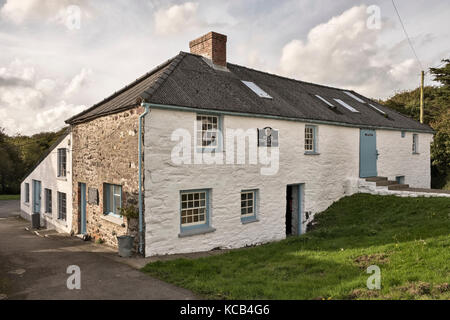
(59, 57)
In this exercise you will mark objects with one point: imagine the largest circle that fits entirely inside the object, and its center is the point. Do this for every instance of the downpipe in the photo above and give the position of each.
(141, 216)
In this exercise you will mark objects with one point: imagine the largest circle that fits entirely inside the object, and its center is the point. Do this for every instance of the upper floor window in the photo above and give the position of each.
(27, 192)
(267, 137)
(207, 132)
(310, 139)
(112, 199)
(415, 143)
(62, 157)
(62, 206)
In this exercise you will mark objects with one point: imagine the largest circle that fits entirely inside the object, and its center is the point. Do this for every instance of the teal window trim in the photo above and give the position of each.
(314, 150)
(27, 193)
(415, 143)
(254, 217)
(403, 134)
(192, 229)
(62, 162)
(116, 189)
(219, 147)
(62, 206)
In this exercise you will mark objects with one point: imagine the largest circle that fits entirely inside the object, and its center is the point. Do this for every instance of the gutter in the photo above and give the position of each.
(141, 216)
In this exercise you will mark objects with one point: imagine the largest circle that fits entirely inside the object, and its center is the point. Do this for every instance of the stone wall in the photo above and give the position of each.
(106, 151)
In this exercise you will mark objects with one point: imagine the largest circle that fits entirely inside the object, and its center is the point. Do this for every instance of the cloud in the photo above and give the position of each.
(177, 18)
(30, 103)
(344, 52)
(78, 81)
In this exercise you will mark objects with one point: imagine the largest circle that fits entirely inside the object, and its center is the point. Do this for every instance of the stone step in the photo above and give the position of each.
(386, 183)
(375, 179)
(398, 186)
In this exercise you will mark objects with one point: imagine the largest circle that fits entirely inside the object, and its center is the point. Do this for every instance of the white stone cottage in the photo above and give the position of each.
(232, 156)
(47, 190)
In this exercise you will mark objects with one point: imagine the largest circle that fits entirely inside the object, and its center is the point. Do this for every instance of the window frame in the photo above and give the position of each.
(219, 136)
(198, 226)
(314, 143)
(62, 166)
(27, 192)
(415, 143)
(106, 209)
(62, 214)
(48, 200)
(250, 217)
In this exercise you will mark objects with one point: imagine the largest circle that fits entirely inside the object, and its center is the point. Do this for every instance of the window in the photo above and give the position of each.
(377, 109)
(328, 103)
(62, 162)
(112, 200)
(27, 192)
(62, 206)
(194, 209)
(310, 139)
(248, 205)
(48, 200)
(354, 97)
(403, 134)
(256, 89)
(267, 137)
(415, 143)
(207, 131)
(400, 179)
(345, 105)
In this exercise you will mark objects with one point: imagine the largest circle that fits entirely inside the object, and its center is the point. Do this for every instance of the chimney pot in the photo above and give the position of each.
(213, 46)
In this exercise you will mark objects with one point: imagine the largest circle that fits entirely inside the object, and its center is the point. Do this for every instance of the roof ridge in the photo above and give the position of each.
(158, 82)
(123, 89)
(276, 75)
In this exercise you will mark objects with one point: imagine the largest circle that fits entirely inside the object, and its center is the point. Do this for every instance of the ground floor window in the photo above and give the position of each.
(248, 205)
(62, 206)
(194, 208)
(112, 199)
(48, 200)
(27, 192)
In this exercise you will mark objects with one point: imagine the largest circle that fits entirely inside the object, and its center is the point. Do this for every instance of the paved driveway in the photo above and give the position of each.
(33, 267)
(9, 208)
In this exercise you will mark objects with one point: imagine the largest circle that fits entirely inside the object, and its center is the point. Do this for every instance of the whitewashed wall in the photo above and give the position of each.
(396, 157)
(327, 177)
(46, 172)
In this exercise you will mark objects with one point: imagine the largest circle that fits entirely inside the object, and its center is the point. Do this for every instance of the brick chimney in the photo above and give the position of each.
(213, 46)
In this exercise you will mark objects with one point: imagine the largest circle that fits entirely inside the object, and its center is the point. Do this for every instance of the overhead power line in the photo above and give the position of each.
(407, 36)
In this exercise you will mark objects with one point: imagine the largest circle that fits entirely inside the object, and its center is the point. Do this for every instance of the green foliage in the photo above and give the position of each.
(408, 238)
(436, 114)
(129, 211)
(9, 196)
(18, 154)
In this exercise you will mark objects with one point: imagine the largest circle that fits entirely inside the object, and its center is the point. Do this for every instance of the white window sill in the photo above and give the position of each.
(61, 178)
(311, 153)
(62, 223)
(112, 219)
(27, 204)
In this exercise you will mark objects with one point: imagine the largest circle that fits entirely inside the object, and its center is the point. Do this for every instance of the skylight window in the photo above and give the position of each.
(379, 110)
(342, 103)
(328, 103)
(260, 92)
(354, 97)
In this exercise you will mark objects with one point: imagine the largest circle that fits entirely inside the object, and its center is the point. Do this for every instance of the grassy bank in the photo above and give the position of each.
(9, 197)
(408, 238)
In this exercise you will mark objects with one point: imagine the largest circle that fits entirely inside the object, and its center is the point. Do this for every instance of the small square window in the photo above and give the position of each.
(207, 132)
(112, 199)
(194, 209)
(248, 205)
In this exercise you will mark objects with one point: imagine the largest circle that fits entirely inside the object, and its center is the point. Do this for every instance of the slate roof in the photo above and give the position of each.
(187, 80)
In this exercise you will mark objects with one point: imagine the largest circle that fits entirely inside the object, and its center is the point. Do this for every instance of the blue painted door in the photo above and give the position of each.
(83, 208)
(36, 196)
(368, 153)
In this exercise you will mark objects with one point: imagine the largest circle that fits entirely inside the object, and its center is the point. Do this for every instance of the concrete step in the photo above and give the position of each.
(398, 186)
(386, 183)
(375, 179)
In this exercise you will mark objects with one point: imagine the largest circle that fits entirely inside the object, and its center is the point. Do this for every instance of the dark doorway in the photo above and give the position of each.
(288, 210)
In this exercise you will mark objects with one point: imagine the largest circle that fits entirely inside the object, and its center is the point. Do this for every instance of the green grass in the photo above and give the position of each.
(9, 196)
(408, 238)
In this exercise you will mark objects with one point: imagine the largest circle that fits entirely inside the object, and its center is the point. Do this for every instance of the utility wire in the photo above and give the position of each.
(406, 34)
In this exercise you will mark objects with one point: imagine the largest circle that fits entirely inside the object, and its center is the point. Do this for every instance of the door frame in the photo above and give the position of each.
(300, 205)
(82, 206)
(361, 131)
